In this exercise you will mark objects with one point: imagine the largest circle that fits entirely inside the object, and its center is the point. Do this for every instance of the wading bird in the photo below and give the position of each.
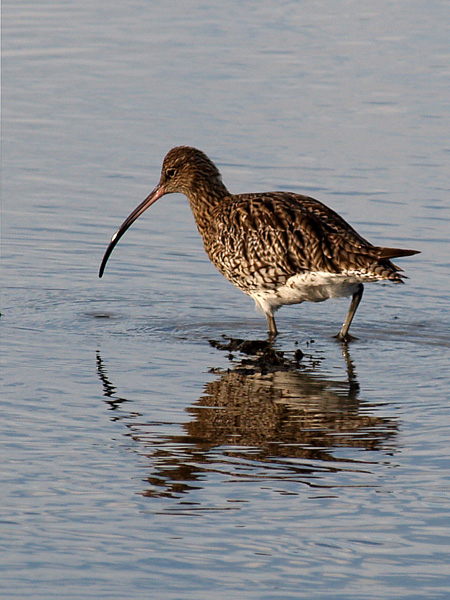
(277, 247)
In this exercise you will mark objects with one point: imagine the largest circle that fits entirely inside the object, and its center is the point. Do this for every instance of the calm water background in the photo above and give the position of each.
(137, 460)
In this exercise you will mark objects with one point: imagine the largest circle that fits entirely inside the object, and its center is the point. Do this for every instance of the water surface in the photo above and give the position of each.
(142, 461)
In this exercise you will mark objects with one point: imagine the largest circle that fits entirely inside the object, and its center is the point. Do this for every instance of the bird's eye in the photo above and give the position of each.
(170, 173)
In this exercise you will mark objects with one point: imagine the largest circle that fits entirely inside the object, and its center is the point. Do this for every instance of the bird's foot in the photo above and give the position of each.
(345, 338)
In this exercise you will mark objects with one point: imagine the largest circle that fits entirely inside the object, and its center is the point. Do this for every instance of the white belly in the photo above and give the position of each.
(308, 287)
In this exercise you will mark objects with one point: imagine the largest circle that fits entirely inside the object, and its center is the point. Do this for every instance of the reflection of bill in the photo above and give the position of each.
(281, 412)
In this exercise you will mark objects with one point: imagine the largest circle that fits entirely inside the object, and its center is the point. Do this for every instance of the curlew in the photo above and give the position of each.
(277, 247)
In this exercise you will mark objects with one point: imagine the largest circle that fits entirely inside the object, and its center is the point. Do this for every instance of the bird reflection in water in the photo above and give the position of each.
(266, 410)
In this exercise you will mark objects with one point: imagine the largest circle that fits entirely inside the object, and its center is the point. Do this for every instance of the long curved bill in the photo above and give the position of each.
(137, 212)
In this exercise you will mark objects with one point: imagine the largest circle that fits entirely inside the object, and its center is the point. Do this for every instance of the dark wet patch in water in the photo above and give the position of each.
(102, 315)
(261, 355)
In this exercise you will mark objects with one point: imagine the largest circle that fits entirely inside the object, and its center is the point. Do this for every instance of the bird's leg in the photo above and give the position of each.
(273, 331)
(356, 299)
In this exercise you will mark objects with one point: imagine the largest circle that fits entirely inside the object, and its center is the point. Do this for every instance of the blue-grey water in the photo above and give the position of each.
(139, 461)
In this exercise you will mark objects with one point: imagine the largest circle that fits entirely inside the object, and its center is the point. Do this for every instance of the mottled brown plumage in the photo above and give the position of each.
(277, 247)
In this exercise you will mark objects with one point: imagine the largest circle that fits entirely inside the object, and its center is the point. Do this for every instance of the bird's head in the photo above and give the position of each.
(185, 170)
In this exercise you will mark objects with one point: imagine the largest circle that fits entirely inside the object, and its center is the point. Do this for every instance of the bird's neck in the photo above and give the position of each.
(204, 198)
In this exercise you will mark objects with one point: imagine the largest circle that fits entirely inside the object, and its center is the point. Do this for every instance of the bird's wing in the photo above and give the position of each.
(281, 234)
(290, 232)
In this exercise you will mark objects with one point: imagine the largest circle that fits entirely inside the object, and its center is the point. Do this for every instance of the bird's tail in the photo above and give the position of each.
(396, 252)
(385, 268)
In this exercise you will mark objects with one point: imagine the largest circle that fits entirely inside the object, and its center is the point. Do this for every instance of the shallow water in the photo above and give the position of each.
(140, 460)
